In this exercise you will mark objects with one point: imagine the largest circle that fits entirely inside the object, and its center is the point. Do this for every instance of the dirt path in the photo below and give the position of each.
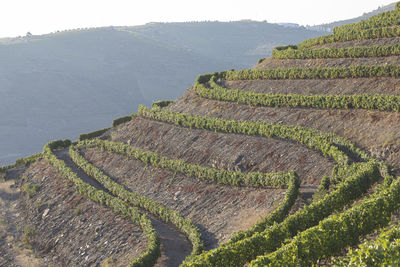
(175, 247)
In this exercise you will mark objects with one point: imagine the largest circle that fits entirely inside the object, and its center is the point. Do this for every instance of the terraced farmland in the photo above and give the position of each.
(293, 162)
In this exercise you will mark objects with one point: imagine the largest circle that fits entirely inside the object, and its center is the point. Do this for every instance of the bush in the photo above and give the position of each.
(119, 121)
(162, 103)
(30, 189)
(85, 136)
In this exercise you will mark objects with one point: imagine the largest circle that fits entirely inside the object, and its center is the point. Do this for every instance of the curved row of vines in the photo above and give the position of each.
(149, 257)
(355, 180)
(281, 179)
(209, 88)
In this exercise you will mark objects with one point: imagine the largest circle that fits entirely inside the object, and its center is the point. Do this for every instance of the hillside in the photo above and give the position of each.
(61, 84)
(293, 162)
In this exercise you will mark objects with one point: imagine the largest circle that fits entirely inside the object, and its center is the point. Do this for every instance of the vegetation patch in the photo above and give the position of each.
(30, 189)
(121, 120)
(93, 134)
(162, 103)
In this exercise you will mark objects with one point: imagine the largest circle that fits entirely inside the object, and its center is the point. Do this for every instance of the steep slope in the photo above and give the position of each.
(292, 162)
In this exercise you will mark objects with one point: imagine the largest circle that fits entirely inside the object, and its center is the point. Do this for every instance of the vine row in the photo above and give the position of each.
(372, 33)
(389, 18)
(362, 101)
(359, 177)
(327, 143)
(169, 216)
(336, 232)
(149, 257)
(384, 250)
(293, 184)
(292, 52)
(267, 241)
(256, 179)
(311, 73)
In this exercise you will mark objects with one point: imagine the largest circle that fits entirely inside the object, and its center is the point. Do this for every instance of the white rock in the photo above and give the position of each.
(46, 211)
(176, 195)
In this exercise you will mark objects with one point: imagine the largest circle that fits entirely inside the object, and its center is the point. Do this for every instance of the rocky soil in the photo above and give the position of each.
(63, 228)
(13, 250)
(175, 247)
(217, 210)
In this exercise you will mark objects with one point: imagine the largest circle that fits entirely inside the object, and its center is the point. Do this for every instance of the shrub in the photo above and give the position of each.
(162, 103)
(121, 120)
(30, 189)
(97, 133)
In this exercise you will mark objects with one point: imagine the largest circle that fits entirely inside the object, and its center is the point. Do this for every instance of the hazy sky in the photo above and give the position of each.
(43, 16)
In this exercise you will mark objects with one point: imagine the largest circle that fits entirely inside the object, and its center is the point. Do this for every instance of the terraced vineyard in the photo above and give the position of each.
(293, 162)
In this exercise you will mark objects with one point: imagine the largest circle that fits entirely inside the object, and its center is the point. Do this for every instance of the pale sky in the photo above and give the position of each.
(17, 17)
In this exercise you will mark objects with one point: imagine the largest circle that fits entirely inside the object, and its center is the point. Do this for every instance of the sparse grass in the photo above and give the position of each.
(170, 182)
(29, 232)
(30, 189)
(78, 210)
(390, 140)
(109, 262)
(39, 204)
